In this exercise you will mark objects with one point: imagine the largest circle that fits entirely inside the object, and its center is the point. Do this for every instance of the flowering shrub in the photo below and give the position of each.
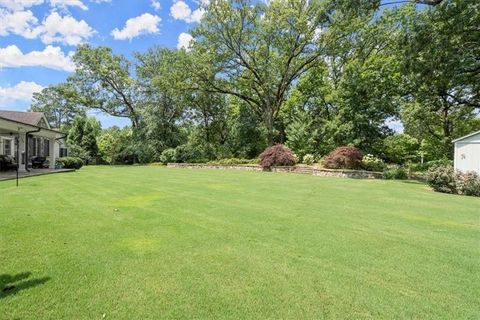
(442, 179)
(468, 183)
(277, 155)
(344, 158)
(372, 163)
(308, 159)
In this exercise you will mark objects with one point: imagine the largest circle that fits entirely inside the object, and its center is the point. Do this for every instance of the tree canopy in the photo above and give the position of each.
(314, 75)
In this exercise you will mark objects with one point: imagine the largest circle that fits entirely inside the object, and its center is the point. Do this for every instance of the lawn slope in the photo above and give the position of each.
(152, 242)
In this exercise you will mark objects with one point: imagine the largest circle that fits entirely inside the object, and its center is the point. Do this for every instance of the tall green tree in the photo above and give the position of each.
(114, 144)
(258, 50)
(59, 103)
(162, 80)
(440, 47)
(351, 97)
(105, 82)
(82, 138)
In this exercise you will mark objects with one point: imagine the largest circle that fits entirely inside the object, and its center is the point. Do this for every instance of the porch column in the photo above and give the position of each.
(53, 154)
(21, 151)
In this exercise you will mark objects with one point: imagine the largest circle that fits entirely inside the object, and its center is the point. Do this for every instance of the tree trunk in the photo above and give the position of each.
(269, 126)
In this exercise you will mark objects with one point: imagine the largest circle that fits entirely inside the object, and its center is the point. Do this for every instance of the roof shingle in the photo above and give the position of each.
(30, 118)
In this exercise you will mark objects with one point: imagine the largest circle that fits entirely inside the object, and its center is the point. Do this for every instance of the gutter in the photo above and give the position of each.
(27, 134)
(62, 137)
(30, 125)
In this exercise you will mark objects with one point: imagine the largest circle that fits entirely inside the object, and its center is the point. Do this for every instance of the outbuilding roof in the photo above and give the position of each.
(467, 136)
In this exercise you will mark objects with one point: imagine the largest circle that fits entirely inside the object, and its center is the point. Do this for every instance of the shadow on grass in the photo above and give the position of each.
(11, 284)
(419, 182)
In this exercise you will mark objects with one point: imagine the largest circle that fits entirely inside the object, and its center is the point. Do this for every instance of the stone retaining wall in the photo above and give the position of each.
(247, 167)
(294, 169)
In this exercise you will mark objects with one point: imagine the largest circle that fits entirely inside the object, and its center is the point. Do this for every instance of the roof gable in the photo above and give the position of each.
(36, 119)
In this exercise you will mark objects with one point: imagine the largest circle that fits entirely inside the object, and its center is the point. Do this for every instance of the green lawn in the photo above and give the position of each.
(158, 243)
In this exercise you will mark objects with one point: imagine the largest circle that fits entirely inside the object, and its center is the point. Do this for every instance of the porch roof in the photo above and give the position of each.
(17, 126)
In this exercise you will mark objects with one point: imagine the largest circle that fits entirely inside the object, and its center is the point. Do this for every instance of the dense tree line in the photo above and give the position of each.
(313, 75)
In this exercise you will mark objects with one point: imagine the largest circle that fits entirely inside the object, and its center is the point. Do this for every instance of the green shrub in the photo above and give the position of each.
(277, 155)
(346, 157)
(70, 162)
(308, 159)
(399, 148)
(468, 183)
(232, 161)
(419, 167)
(442, 179)
(372, 163)
(198, 160)
(187, 153)
(396, 173)
(167, 156)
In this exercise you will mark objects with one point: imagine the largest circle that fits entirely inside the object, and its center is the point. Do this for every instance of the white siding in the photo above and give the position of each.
(467, 154)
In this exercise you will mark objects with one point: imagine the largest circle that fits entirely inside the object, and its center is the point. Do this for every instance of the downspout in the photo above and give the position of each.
(26, 146)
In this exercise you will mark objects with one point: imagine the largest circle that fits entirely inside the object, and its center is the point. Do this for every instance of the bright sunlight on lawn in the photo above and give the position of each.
(152, 242)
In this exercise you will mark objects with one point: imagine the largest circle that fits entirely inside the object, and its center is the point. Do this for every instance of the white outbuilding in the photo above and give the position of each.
(467, 153)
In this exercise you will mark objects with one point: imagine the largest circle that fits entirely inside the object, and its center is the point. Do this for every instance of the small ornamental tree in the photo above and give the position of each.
(277, 155)
(344, 158)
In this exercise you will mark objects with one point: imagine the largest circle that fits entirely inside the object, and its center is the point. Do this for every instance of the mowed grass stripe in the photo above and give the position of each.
(153, 242)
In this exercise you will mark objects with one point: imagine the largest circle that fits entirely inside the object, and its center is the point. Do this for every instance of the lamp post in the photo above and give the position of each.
(17, 153)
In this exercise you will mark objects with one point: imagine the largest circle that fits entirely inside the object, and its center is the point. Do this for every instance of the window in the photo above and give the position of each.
(63, 152)
(34, 146)
(7, 147)
(46, 148)
(39, 147)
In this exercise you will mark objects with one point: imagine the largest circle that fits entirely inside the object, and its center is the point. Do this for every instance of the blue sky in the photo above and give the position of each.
(37, 37)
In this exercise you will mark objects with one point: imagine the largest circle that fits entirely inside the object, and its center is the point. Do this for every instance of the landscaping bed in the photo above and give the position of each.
(304, 169)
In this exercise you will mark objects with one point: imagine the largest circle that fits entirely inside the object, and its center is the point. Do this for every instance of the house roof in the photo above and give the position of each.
(30, 118)
(467, 136)
(33, 119)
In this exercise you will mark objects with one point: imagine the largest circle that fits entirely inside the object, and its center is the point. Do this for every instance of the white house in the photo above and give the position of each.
(467, 153)
(42, 140)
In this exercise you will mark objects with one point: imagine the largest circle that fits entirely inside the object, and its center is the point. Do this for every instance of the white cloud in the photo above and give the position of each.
(50, 57)
(156, 5)
(66, 29)
(18, 22)
(22, 91)
(54, 28)
(68, 3)
(19, 4)
(184, 41)
(22, 4)
(134, 27)
(180, 10)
